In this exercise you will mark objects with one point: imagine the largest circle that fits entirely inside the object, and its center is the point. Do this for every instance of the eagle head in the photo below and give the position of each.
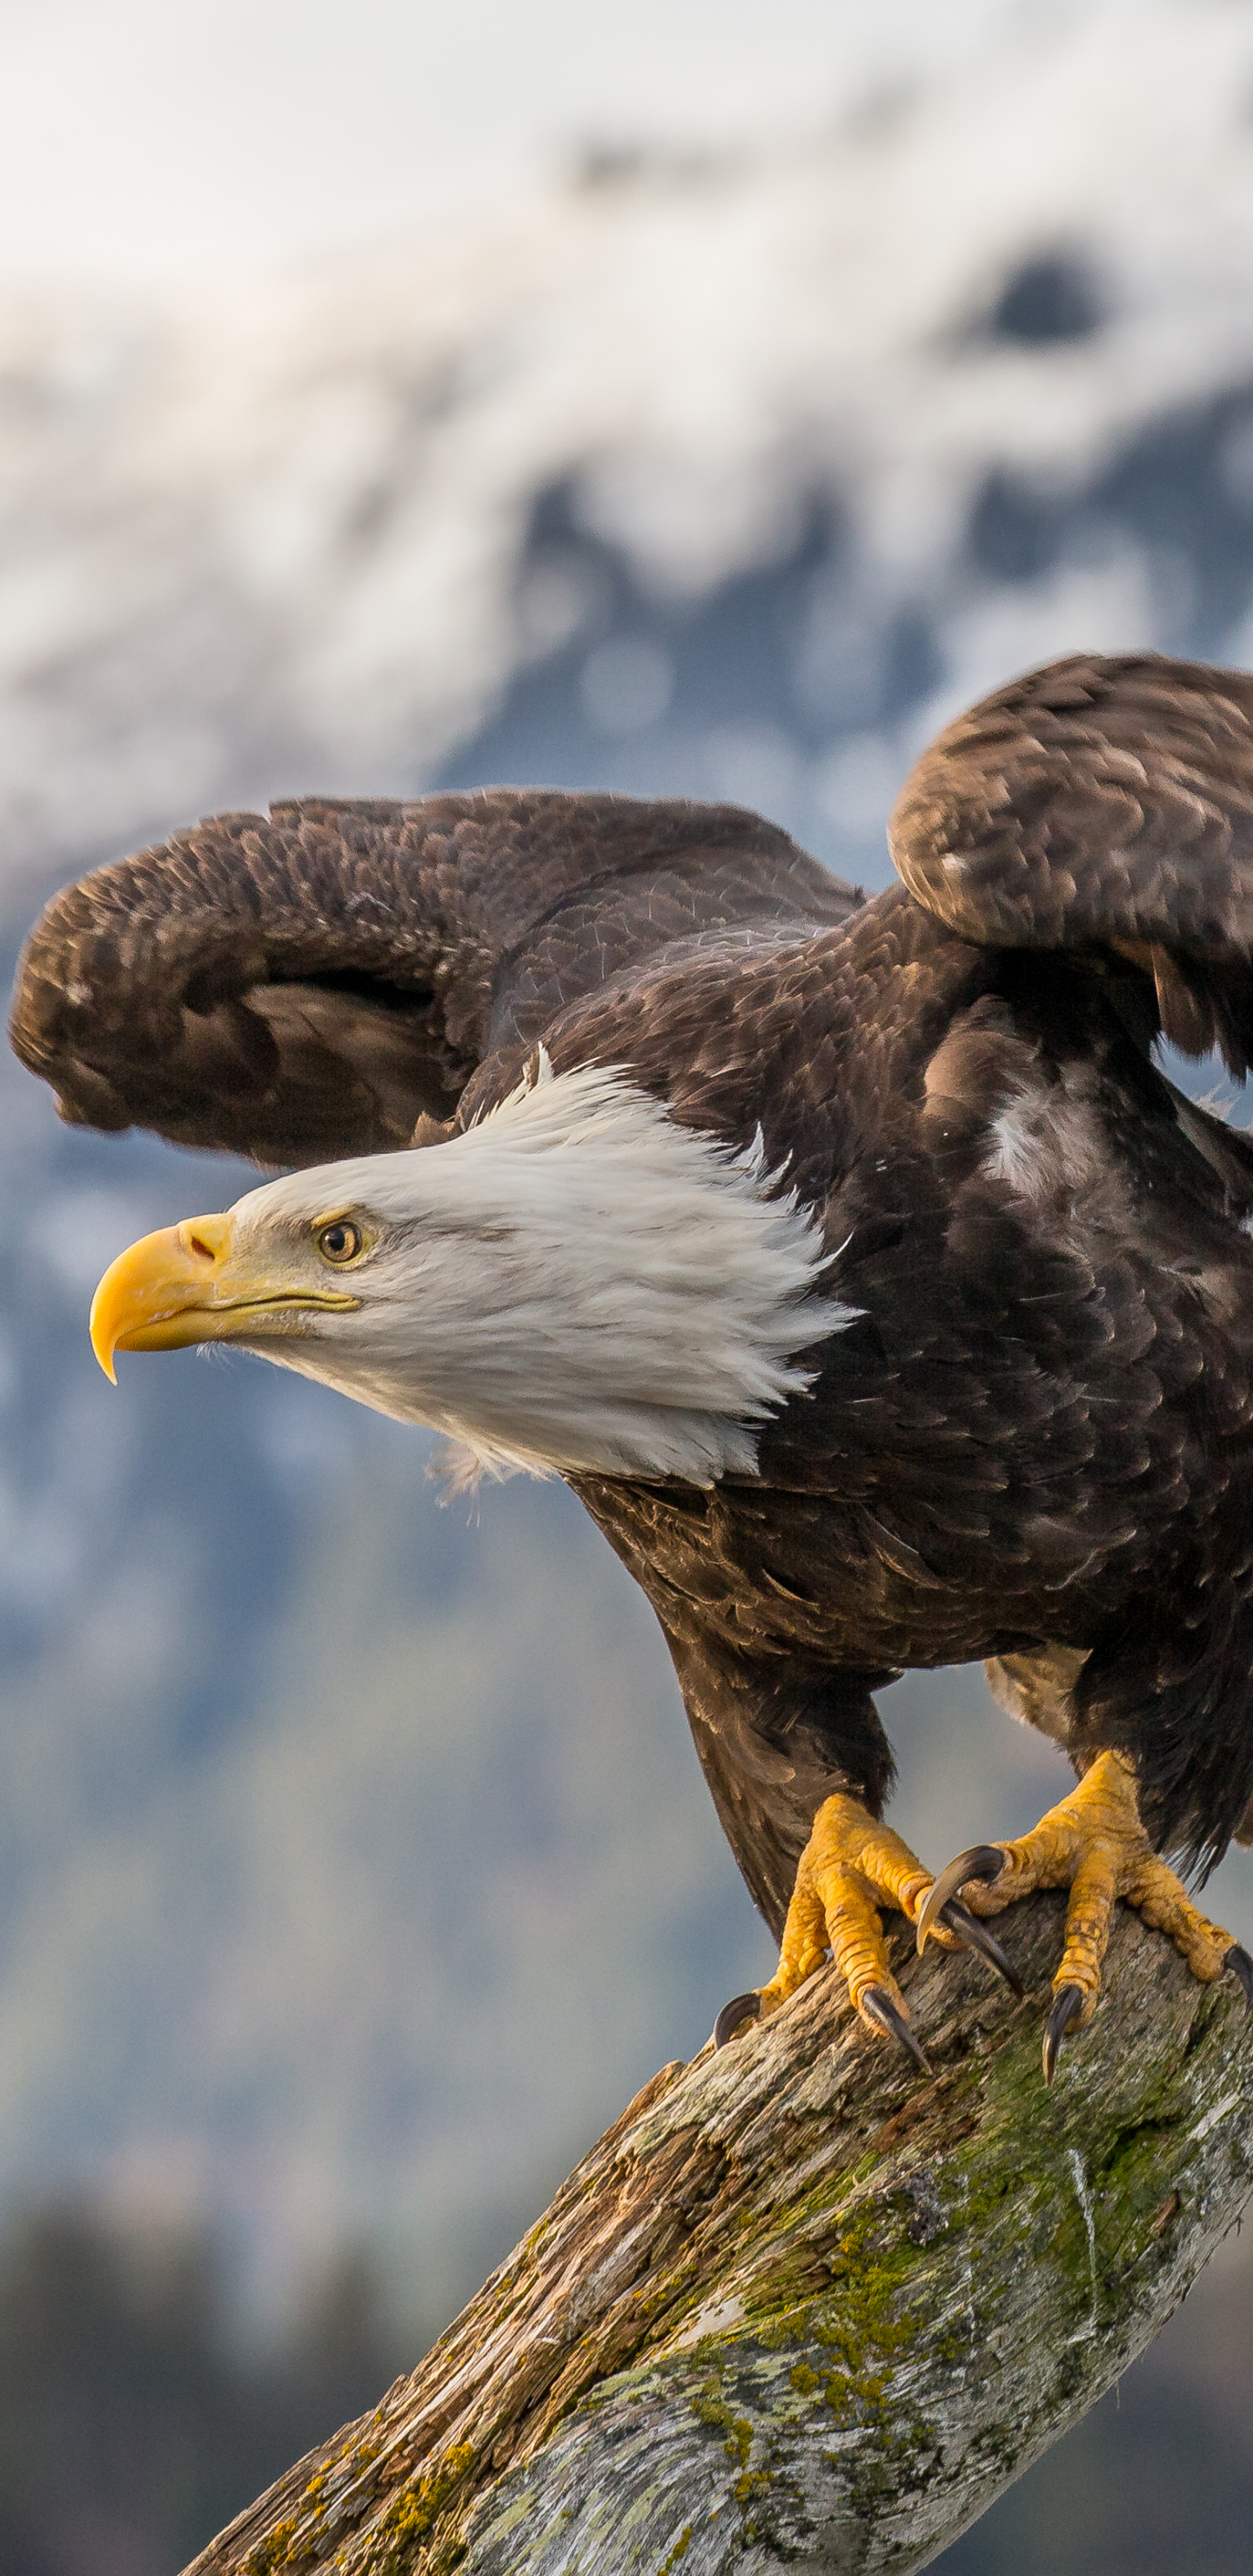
(577, 1283)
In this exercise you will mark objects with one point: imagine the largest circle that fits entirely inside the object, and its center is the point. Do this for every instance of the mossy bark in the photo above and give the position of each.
(804, 2307)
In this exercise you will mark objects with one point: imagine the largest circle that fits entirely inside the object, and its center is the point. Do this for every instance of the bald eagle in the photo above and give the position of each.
(854, 1261)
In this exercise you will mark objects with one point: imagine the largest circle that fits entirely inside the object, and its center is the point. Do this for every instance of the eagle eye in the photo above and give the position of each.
(340, 1241)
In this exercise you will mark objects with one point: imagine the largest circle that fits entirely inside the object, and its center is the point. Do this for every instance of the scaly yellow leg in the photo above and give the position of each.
(1094, 1844)
(850, 1867)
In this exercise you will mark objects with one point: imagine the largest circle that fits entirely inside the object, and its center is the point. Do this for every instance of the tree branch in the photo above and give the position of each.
(803, 2306)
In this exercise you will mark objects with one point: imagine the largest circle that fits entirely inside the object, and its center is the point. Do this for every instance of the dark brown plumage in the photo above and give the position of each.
(1035, 1444)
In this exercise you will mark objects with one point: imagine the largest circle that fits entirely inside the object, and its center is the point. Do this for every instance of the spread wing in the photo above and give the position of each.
(1102, 804)
(310, 984)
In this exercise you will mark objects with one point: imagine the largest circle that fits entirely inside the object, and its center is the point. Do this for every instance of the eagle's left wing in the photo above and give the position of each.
(1102, 805)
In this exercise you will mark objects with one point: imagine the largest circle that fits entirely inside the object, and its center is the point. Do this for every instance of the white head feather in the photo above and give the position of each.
(577, 1282)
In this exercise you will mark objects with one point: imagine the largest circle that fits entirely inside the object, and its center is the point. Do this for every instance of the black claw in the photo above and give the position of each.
(983, 1861)
(1066, 2009)
(977, 1937)
(1241, 1966)
(735, 2016)
(878, 2007)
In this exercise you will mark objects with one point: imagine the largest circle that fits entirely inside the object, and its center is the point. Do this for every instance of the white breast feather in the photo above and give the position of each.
(577, 1282)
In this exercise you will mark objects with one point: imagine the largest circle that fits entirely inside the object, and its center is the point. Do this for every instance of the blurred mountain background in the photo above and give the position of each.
(706, 408)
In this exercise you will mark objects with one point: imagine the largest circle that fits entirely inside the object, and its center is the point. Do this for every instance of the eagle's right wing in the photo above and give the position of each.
(1102, 805)
(310, 984)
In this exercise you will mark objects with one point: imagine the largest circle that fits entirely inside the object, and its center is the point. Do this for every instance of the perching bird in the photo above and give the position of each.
(853, 1261)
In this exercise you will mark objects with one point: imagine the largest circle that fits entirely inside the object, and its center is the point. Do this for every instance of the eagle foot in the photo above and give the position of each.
(849, 1869)
(1093, 1843)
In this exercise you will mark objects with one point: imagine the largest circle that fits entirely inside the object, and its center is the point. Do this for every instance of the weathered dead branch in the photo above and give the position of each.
(801, 2306)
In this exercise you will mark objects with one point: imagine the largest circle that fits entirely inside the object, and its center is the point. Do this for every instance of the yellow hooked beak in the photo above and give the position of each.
(187, 1284)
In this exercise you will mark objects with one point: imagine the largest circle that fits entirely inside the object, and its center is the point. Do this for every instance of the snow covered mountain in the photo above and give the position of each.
(353, 1864)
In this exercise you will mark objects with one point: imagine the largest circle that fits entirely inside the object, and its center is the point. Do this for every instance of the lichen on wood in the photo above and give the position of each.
(803, 2306)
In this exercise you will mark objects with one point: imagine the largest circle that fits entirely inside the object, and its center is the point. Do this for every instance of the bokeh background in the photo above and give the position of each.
(697, 398)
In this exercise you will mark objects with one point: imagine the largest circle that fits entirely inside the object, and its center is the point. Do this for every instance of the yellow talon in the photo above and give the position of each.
(849, 1868)
(1093, 1843)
